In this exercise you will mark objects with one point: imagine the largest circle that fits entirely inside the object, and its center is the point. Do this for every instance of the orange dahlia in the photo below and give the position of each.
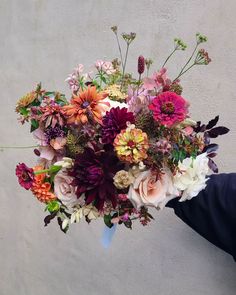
(41, 189)
(86, 105)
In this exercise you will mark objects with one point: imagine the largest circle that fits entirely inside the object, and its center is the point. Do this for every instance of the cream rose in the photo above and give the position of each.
(191, 178)
(149, 190)
(63, 189)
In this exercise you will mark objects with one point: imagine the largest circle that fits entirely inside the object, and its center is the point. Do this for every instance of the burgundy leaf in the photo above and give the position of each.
(213, 133)
(212, 155)
(212, 123)
(212, 165)
(197, 127)
(64, 230)
(211, 148)
(48, 218)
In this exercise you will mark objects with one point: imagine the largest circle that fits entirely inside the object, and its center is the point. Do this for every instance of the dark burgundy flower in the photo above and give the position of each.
(93, 173)
(141, 64)
(113, 122)
(25, 175)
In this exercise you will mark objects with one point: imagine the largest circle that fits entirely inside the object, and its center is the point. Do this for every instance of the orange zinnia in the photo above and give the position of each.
(41, 189)
(86, 105)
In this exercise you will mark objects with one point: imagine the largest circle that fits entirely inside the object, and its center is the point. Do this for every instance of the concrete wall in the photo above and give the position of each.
(42, 40)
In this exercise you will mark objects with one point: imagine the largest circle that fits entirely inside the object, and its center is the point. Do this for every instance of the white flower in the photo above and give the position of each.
(63, 189)
(192, 176)
(88, 210)
(151, 190)
(114, 104)
(65, 163)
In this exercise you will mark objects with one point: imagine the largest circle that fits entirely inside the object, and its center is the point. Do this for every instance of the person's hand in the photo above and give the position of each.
(213, 212)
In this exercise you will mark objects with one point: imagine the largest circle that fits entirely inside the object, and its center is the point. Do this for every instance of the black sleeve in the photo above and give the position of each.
(213, 212)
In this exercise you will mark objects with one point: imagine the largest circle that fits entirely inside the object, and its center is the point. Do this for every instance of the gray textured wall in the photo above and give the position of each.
(42, 40)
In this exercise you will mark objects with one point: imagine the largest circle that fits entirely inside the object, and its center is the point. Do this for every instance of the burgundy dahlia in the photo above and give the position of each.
(113, 122)
(93, 174)
(25, 176)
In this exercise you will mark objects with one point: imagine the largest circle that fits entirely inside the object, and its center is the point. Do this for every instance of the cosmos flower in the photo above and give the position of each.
(159, 81)
(169, 108)
(25, 176)
(113, 122)
(131, 145)
(88, 104)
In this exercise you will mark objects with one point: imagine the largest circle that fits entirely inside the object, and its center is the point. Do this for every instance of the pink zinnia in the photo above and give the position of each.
(169, 108)
(25, 176)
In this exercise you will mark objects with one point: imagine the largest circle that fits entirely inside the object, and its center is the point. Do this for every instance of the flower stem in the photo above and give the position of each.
(123, 72)
(19, 147)
(41, 171)
(188, 61)
(181, 73)
(126, 56)
(121, 57)
(169, 57)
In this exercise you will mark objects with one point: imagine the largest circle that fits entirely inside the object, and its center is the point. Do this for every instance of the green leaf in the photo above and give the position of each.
(103, 79)
(53, 206)
(23, 111)
(107, 221)
(128, 223)
(55, 168)
(34, 125)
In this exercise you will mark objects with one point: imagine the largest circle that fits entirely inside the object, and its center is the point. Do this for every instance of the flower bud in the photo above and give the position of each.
(141, 64)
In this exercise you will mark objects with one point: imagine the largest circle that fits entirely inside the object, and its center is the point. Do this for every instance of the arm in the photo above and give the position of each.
(213, 212)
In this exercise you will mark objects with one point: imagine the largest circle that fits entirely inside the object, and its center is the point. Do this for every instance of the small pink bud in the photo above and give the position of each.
(141, 64)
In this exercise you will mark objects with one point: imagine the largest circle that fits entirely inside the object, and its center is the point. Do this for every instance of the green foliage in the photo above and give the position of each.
(53, 206)
(34, 125)
(107, 221)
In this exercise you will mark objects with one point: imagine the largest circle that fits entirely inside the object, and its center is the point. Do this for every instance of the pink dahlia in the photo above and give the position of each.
(169, 108)
(25, 176)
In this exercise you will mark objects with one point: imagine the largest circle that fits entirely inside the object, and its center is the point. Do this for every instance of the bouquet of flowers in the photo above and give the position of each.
(123, 143)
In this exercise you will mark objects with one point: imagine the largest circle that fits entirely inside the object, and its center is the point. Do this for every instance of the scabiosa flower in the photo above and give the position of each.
(52, 133)
(131, 145)
(86, 105)
(113, 122)
(93, 173)
(169, 108)
(25, 176)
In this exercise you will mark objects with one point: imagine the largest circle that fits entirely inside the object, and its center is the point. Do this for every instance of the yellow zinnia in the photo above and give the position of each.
(131, 145)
